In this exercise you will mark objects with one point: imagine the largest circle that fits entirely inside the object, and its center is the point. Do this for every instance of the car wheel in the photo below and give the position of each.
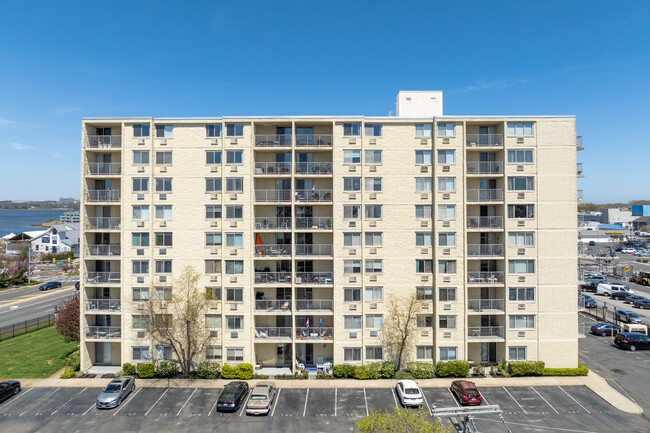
(632, 347)
(603, 334)
(17, 390)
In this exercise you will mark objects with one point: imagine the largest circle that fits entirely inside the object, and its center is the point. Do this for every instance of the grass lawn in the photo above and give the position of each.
(26, 356)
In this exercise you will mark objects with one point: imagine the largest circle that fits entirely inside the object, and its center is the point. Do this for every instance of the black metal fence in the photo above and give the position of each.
(19, 328)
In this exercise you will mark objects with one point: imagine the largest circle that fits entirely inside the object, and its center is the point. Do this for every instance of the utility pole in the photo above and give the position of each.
(29, 264)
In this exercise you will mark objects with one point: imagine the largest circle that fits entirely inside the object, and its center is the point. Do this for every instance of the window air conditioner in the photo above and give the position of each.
(521, 195)
(162, 278)
(521, 306)
(372, 141)
(162, 196)
(424, 169)
(162, 251)
(352, 168)
(520, 140)
(520, 168)
(214, 141)
(446, 223)
(522, 279)
(373, 278)
(163, 169)
(214, 169)
(214, 333)
(353, 280)
(140, 224)
(446, 196)
(352, 251)
(352, 141)
(372, 251)
(373, 333)
(521, 251)
(163, 224)
(353, 335)
(447, 335)
(353, 223)
(445, 141)
(424, 141)
(140, 334)
(372, 168)
(521, 223)
(446, 168)
(163, 142)
(141, 169)
(373, 306)
(214, 223)
(141, 141)
(447, 307)
(214, 251)
(521, 334)
(424, 223)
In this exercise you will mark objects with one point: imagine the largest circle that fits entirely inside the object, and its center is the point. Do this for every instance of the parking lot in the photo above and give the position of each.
(547, 408)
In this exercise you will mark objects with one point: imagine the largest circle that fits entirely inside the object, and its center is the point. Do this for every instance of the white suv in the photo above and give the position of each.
(610, 289)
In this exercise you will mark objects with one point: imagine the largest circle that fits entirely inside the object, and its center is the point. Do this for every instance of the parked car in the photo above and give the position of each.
(261, 399)
(604, 329)
(409, 393)
(466, 392)
(9, 388)
(619, 248)
(622, 295)
(592, 243)
(232, 396)
(608, 289)
(628, 316)
(589, 301)
(76, 285)
(628, 250)
(632, 341)
(115, 392)
(642, 303)
(593, 280)
(50, 285)
(630, 299)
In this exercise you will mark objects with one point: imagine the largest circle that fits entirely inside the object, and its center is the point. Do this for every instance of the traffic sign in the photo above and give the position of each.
(626, 269)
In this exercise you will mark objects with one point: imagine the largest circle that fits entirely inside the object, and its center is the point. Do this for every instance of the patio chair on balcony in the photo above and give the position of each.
(285, 306)
(300, 365)
(320, 364)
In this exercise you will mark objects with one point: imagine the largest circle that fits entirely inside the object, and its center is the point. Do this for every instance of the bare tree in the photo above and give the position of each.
(399, 326)
(179, 322)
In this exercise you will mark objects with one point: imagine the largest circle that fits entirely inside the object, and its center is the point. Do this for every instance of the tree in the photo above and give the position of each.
(66, 318)
(399, 326)
(179, 322)
(399, 420)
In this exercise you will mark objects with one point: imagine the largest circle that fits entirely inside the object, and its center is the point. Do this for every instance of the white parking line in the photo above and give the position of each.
(394, 396)
(47, 395)
(453, 397)
(154, 405)
(535, 427)
(335, 399)
(426, 402)
(571, 397)
(69, 401)
(304, 411)
(125, 402)
(93, 405)
(365, 398)
(540, 395)
(522, 408)
(484, 399)
(22, 392)
(243, 409)
(277, 397)
(188, 399)
(213, 406)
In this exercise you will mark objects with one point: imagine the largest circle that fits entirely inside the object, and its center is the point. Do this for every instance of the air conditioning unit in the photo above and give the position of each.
(446, 251)
(234, 335)
(521, 223)
(163, 224)
(214, 333)
(372, 251)
(447, 335)
(141, 141)
(214, 141)
(373, 333)
(162, 278)
(352, 168)
(233, 279)
(372, 196)
(424, 278)
(447, 307)
(424, 333)
(372, 168)
(233, 169)
(352, 141)
(141, 169)
(353, 280)
(373, 306)
(372, 223)
(352, 251)
(520, 168)
(446, 224)
(214, 278)
(372, 141)
(521, 251)
(424, 169)
(140, 279)
(140, 334)
(424, 223)
(521, 279)
(233, 196)
(214, 250)
(233, 223)
(445, 141)
(233, 252)
(163, 305)
(140, 306)
(520, 140)
(140, 252)
(424, 196)
(424, 141)
(163, 142)
(140, 224)
(521, 307)
(140, 196)
(163, 169)
(353, 307)
(214, 196)
(233, 307)
(446, 196)
(373, 278)
(521, 334)
(446, 279)
(214, 169)
(424, 250)
(446, 168)
(521, 195)
(233, 141)
(214, 223)
(353, 223)
(352, 196)
(353, 335)
(162, 196)
(162, 251)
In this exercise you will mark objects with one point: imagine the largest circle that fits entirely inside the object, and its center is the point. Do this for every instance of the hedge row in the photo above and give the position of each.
(526, 368)
(376, 370)
(580, 371)
(241, 371)
(452, 369)
(208, 370)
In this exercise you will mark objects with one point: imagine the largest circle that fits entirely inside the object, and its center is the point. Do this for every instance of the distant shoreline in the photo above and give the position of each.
(51, 208)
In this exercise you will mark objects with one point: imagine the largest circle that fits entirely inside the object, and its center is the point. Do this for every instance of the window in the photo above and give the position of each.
(373, 157)
(523, 156)
(447, 266)
(424, 352)
(518, 129)
(521, 294)
(423, 211)
(164, 212)
(352, 266)
(235, 354)
(235, 322)
(351, 239)
(140, 266)
(374, 266)
(234, 212)
(234, 295)
(141, 157)
(351, 129)
(447, 239)
(352, 294)
(423, 157)
(423, 130)
(352, 322)
(163, 158)
(373, 129)
(141, 353)
(162, 293)
(447, 354)
(351, 156)
(212, 239)
(446, 211)
(140, 184)
(164, 184)
(166, 131)
(234, 156)
(140, 212)
(213, 353)
(446, 184)
(423, 265)
(213, 293)
(235, 184)
(425, 320)
(141, 130)
(234, 267)
(446, 130)
(351, 184)
(140, 240)
(373, 183)
(213, 130)
(522, 322)
(521, 211)
(521, 239)
(234, 239)
(423, 239)
(374, 321)
(374, 353)
(517, 353)
(373, 239)
(141, 321)
(521, 266)
(520, 183)
(163, 266)
(423, 184)
(212, 184)
(447, 322)
(163, 352)
(213, 266)
(234, 129)
(447, 294)
(425, 293)
(373, 211)
(352, 354)
(351, 212)
(446, 157)
(140, 294)
(212, 212)
(213, 157)
(374, 293)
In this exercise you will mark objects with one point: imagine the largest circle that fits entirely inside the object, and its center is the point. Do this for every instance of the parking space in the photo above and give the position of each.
(290, 403)
(202, 403)
(138, 403)
(381, 399)
(351, 403)
(81, 402)
(321, 402)
(438, 397)
(170, 403)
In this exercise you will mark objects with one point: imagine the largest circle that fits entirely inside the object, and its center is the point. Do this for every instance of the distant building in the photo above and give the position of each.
(59, 238)
(616, 215)
(70, 217)
(67, 200)
(641, 210)
(16, 243)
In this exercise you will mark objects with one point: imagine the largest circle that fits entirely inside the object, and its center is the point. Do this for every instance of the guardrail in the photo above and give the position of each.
(272, 332)
(104, 250)
(272, 195)
(273, 250)
(273, 305)
(314, 140)
(314, 250)
(477, 195)
(484, 167)
(104, 168)
(104, 141)
(272, 168)
(272, 277)
(272, 140)
(311, 195)
(99, 195)
(103, 223)
(103, 277)
(485, 304)
(484, 331)
(314, 304)
(484, 222)
(494, 277)
(485, 250)
(266, 223)
(314, 168)
(104, 305)
(16, 329)
(103, 332)
(313, 278)
(314, 333)
(484, 140)
(323, 223)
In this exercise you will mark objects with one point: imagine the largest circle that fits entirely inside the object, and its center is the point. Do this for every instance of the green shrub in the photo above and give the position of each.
(580, 371)
(373, 370)
(343, 370)
(79, 374)
(129, 369)
(263, 376)
(301, 375)
(245, 371)
(145, 371)
(166, 369)
(208, 370)
(67, 374)
(322, 375)
(526, 368)
(360, 372)
(73, 361)
(421, 370)
(403, 374)
(228, 372)
(452, 369)
(387, 369)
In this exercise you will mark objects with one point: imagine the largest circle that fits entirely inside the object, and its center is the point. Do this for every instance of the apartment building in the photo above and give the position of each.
(304, 227)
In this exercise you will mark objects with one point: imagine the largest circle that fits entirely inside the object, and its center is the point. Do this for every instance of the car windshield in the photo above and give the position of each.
(471, 391)
(411, 391)
(258, 397)
(113, 387)
(633, 315)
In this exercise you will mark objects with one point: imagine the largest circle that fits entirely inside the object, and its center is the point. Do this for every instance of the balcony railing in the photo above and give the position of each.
(314, 304)
(490, 277)
(263, 332)
(579, 145)
(314, 168)
(272, 195)
(272, 277)
(266, 223)
(314, 250)
(322, 223)
(484, 331)
(580, 195)
(479, 195)
(484, 140)
(314, 195)
(103, 277)
(103, 332)
(272, 250)
(579, 169)
(104, 141)
(103, 223)
(273, 168)
(484, 167)
(485, 222)
(108, 195)
(273, 305)
(313, 278)
(485, 249)
(314, 333)
(314, 140)
(273, 140)
(104, 250)
(104, 304)
(105, 168)
(485, 305)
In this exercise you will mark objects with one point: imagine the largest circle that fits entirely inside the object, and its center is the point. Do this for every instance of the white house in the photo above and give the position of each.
(59, 238)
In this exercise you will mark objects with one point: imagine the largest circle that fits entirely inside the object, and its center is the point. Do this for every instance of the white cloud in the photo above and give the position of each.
(18, 146)
(56, 154)
(10, 122)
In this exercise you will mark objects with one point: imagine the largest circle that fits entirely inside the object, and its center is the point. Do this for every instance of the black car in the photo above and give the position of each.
(632, 298)
(232, 396)
(50, 285)
(605, 329)
(9, 388)
(76, 285)
(621, 295)
(642, 303)
(632, 341)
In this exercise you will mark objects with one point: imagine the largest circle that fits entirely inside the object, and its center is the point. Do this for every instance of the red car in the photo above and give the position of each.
(466, 392)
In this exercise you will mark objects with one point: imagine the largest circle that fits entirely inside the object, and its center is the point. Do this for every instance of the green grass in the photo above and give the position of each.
(26, 356)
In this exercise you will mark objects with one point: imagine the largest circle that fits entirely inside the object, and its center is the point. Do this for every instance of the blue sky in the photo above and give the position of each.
(61, 61)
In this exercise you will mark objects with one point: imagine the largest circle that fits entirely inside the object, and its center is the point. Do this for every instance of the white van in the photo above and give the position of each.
(611, 288)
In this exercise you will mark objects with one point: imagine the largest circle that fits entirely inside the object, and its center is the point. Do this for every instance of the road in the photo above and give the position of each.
(30, 303)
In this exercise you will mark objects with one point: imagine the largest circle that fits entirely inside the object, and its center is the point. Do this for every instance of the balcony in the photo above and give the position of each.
(273, 140)
(103, 332)
(104, 168)
(272, 333)
(277, 305)
(484, 195)
(103, 195)
(320, 223)
(314, 195)
(103, 305)
(322, 333)
(272, 195)
(314, 305)
(272, 250)
(108, 223)
(489, 277)
(313, 278)
(579, 145)
(484, 167)
(480, 332)
(272, 277)
(480, 250)
(484, 222)
(315, 140)
(103, 277)
(274, 168)
(579, 170)
(104, 250)
(485, 305)
(580, 195)
(314, 250)
(104, 141)
(271, 223)
(484, 140)
(314, 168)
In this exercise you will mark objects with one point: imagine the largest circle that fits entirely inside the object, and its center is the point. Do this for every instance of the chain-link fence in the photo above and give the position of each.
(19, 328)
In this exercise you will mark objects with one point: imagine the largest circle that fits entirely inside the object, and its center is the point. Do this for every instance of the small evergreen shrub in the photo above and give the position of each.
(67, 374)
(373, 370)
(387, 369)
(128, 369)
(421, 370)
(73, 361)
(403, 374)
(580, 371)
(145, 371)
(343, 370)
(526, 368)
(452, 368)
(208, 370)
(360, 372)
(166, 369)
(245, 371)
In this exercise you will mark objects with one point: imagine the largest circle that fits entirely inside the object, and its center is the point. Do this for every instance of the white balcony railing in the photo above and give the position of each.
(484, 195)
(272, 332)
(267, 223)
(489, 277)
(108, 223)
(484, 222)
(272, 277)
(314, 250)
(314, 333)
(103, 277)
(273, 140)
(314, 168)
(314, 304)
(313, 278)
(103, 332)
(484, 167)
(322, 223)
(579, 169)
(485, 305)
(484, 331)
(314, 195)
(273, 305)
(104, 141)
(103, 305)
(104, 250)
(272, 195)
(273, 168)
(484, 140)
(101, 195)
(272, 250)
(107, 168)
(485, 249)
(314, 140)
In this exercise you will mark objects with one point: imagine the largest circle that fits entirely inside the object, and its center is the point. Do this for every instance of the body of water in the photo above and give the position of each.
(16, 221)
